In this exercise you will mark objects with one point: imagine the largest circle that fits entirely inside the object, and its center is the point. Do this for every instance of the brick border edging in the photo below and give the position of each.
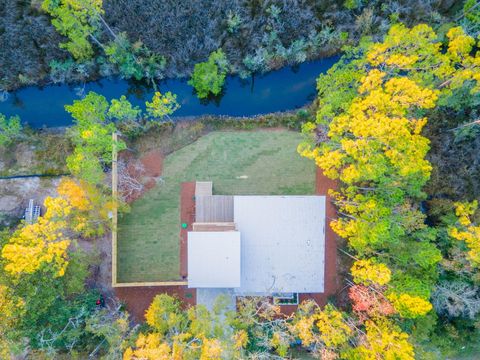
(187, 215)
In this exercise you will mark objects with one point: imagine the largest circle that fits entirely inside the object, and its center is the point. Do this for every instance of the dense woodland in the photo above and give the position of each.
(396, 123)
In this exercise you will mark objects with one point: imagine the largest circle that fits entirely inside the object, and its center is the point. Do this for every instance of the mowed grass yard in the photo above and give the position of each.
(238, 162)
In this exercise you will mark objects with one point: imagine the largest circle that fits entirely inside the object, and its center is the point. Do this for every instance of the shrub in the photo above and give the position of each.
(209, 77)
(10, 129)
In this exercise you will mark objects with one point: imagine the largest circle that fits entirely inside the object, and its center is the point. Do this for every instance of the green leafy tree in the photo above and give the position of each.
(122, 110)
(121, 53)
(78, 20)
(209, 76)
(10, 129)
(92, 136)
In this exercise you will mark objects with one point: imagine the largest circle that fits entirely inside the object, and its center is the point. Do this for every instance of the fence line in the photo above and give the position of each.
(115, 208)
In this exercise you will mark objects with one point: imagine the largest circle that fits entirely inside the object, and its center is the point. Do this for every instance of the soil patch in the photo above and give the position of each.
(101, 272)
(138, 175)
(16, 193)
(138, 299)
(152, 161)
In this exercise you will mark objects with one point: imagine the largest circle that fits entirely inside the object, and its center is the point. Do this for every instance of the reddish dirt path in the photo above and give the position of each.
(152, 161)
(138, 299)
(145, 170)
(323, 184)
(187, 216)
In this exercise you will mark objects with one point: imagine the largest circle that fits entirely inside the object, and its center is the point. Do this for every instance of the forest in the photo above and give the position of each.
(394, 124)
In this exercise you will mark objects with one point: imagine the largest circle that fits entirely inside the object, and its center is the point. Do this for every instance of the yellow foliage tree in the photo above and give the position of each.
(40, 244)
(409, 306)
(150, 347)
(11, 309)
(75, 193)
(195, 333)
(383, 340)
(89, 207)
(367, 272)
(325, 328)
(375, 140)
(45, 243)
(466, 230)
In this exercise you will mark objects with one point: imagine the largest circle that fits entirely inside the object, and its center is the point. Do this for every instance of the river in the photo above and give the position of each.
(285, 89)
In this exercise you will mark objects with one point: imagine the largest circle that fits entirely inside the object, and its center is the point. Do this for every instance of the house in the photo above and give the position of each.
(256, 246)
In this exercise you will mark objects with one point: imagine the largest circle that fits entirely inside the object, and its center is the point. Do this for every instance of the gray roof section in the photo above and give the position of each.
(282, 243)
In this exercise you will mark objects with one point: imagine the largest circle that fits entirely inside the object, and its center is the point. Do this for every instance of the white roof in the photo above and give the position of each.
(214, 259)
(282, 243)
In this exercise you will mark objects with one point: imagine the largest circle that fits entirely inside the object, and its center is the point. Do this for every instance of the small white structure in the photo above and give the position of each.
(214, 259)
(32, 212)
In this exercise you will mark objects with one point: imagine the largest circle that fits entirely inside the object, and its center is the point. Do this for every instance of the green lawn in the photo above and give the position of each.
(240, 162)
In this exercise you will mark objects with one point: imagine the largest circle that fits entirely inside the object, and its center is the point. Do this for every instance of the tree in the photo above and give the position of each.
(134, 60)
(368, 135)
(111, 325)
(78, 209)
(383, 340)
(456, 299)
(78, 20)
(92, 136)
(467, 231)
(368, 302)
(269, 328)
(40, 244)
(209, 76)
(321, 329)
(196, 333)
(375, 122)
(409, 306)
(122, 110)
(10, 129)
(11, 308)
(127, 118)
(162, 105)
(90, 208)
(367, 272)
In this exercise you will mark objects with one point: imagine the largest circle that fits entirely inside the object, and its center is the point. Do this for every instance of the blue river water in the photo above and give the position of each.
(285, 89)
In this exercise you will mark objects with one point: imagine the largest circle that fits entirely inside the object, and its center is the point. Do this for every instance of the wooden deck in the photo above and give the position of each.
(217, 226)
(203, 188)
(215, 208)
